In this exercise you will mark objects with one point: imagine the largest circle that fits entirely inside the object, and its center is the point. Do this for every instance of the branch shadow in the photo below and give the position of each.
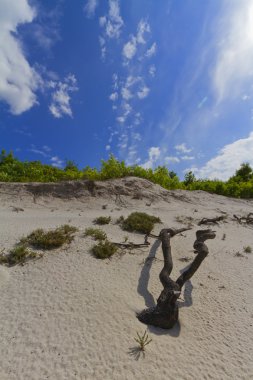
(188, 287)
(136, 352)
(142, 287)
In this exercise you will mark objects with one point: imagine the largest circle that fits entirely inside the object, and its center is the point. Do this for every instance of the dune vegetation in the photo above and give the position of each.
(240, 185)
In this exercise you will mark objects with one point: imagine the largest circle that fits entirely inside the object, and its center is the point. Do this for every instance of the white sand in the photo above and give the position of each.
(71, 316)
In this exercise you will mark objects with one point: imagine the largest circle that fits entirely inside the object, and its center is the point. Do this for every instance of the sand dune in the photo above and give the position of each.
(71, 316)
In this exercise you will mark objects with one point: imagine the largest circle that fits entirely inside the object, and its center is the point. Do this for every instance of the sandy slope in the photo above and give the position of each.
(71, 316)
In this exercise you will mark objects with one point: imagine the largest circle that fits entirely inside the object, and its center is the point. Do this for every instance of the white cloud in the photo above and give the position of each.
(228, 160)
(235, 55)
(129, 49)
(152, 70)
(60, 104)
(114, 96)
(121, 119)
(153, 154)
(182, 148)
(56, 161)
(143, 92)
(143, 27)
(126, 93)
(172, 159)
(113, 22)
(18, 80)
(108, 147)
(151, 51)
(90, 7)
(102, 43)
(187, 158)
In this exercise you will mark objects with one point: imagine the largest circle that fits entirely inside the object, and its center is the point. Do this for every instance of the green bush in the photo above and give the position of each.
(140, 222)
(18, 255)
(50, 239)
(96, 233)
(104, 249)
(102, 220)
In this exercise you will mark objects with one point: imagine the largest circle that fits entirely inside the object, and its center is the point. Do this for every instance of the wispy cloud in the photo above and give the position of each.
(228, 160)
(171, 159)
(182, 148)
(130, 47)
(151, 51)
(90, 8)
(60, 104)
(112, 22)
(235, 53)
(18, 80)
(143, 92)
(46, 152)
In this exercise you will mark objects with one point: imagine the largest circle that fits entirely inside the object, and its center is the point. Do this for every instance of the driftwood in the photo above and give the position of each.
(212, 220)
(245, 219)
(165, 313)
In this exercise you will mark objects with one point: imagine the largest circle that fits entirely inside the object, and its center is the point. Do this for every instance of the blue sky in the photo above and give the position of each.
(155, 82)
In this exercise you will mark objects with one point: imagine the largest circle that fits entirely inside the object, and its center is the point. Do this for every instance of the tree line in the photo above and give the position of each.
(240, 185)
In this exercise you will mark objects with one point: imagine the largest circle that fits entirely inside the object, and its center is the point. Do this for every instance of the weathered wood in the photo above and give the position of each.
(165, 313)
(212, 220)
(245, 219)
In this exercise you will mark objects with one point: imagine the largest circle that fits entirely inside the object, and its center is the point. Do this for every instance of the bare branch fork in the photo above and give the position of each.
(165, 313)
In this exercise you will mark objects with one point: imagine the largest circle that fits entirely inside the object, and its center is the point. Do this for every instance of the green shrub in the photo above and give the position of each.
(51, 239)
(247, 249)
(102, 220)
(104, 249)
(140, 222)
(96, 233)
(18, 255)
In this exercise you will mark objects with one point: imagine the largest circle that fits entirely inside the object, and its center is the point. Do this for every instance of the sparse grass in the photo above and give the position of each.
(50, 239)
(104, 249)
(247, 249)
(18, 255)
(142, 340)
(102, 220)
(139, 222)
(96, 233)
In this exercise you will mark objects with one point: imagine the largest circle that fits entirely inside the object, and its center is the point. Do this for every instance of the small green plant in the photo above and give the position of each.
(96, 233)
(104, 249)
(247, 249)
(18, 255)
(140, 222)
(102, 220)
(51, 239)
(142, 340)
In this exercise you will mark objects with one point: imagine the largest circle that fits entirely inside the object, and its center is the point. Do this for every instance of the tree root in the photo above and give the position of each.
(165, 313)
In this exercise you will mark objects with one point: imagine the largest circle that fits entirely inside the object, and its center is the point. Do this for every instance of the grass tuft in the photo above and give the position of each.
(247, 249)
(142, 340)
(102, 220)
(139, 222)
(96, 233)
(50, 239)
(104, 249)
(18, 255)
